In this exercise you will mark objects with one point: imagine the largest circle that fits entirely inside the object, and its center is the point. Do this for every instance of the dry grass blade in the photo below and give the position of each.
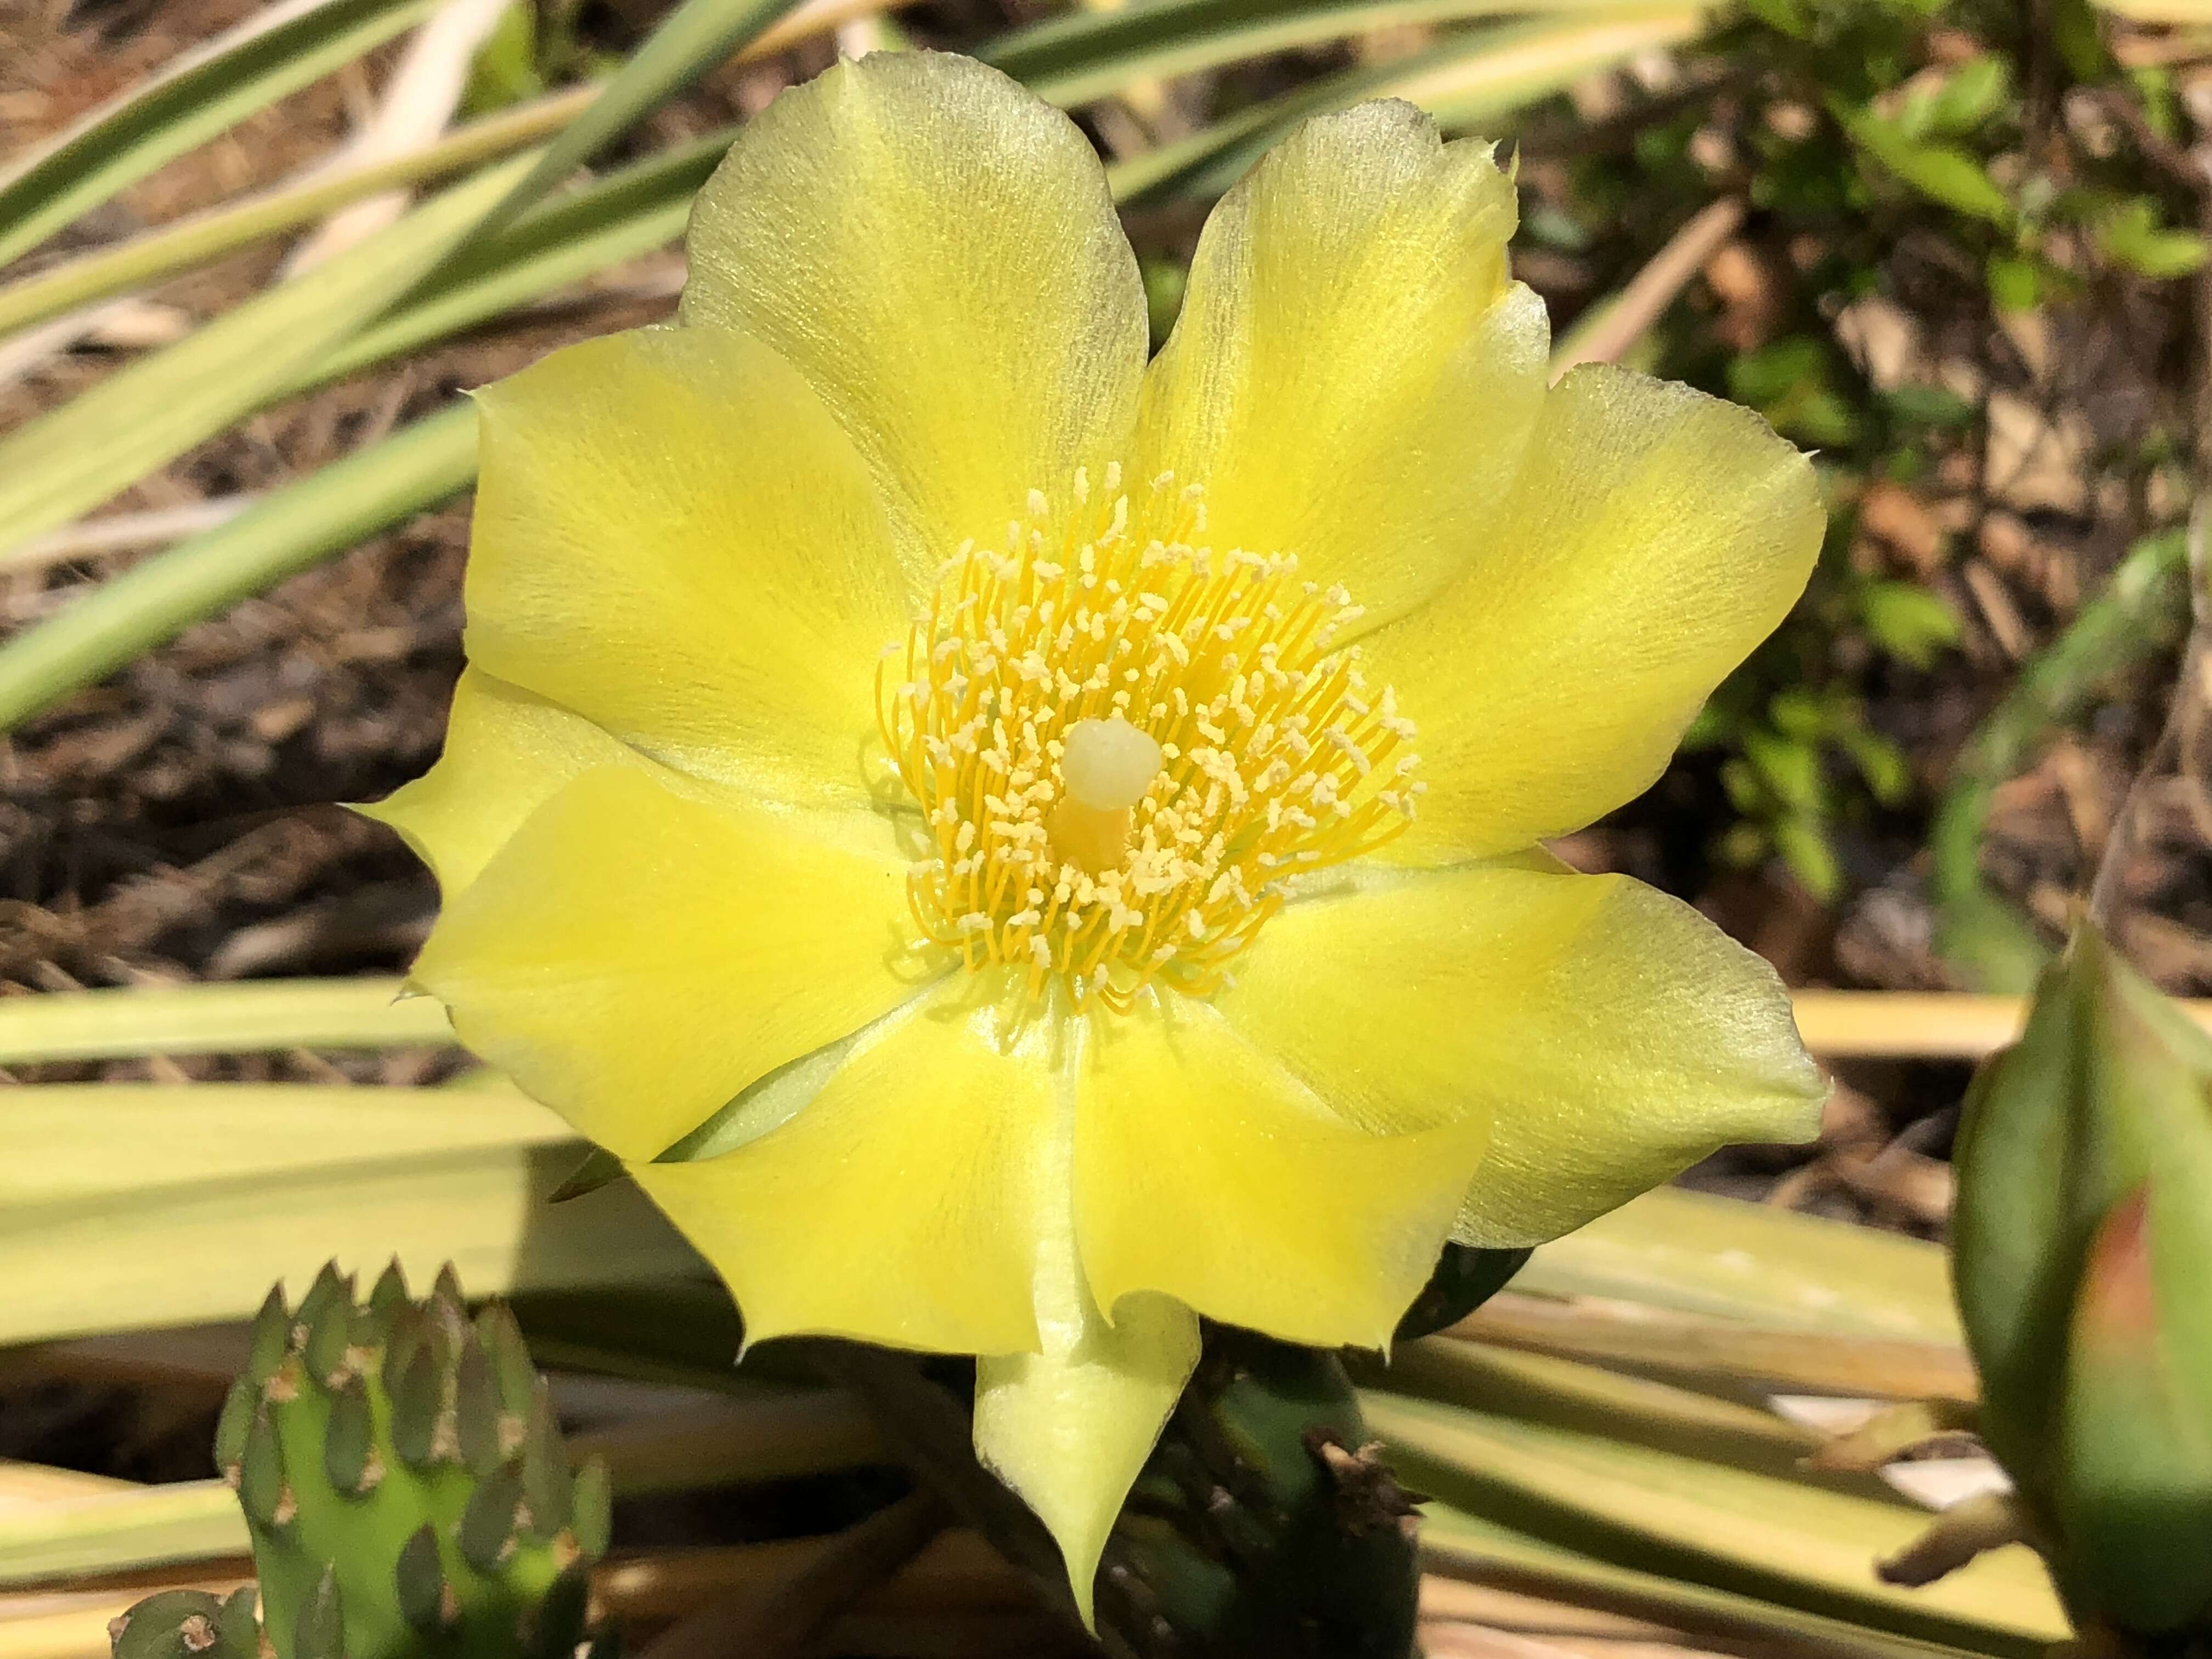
(202, 94)
(1655, 1339)
(220, 231)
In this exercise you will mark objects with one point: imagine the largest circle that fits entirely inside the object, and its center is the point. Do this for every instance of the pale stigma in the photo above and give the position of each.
(1105, 768)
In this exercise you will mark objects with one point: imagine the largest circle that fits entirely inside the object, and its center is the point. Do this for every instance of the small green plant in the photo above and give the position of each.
(405, 1487)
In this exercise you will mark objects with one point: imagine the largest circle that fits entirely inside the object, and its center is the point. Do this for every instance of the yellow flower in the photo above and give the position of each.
(956, 786)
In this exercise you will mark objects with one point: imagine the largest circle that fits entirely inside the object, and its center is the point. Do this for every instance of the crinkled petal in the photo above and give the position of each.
(899, 1204)
(1610, 1035)
(641, 950)
(1069, 1427)
(1353, 378)
(935, 249)
(1654, 536)
(674, 538)
(1206, 1171)
(506, 750)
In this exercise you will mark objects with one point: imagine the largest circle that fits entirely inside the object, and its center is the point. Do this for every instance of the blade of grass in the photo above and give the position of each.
(767, 1434)
(1701, 1255)
(1457, 1545)
(125, 1208)
(305, 522)
(290, 529)
(1477, 77)
(615, 218)
(692, 39)
(228, 1018)
(202, 94)
(1725, 1350)
(352, 1012)
(120, 1531)
(186, 243)
(1783, 1540)
(1567, 1393)
(1088, 55)
(69, 461)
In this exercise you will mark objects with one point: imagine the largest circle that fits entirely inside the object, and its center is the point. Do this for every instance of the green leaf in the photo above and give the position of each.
(1087, 54)
(690, 41)
(2132, 235)
(1942, 172)
(73, 458)
(1455, 1544)
(1468, 81)
(628, 212)
(69, 461)
(200, 94)
(126, 1207)
(126, 1530)
(505, 67)
(287, 531)
(204, 237)
(218, 1019)
(1969, 98)
(1801, 839)
(1703, 1254)
(2014, 285)
(1784, 1540)
(1908, 620)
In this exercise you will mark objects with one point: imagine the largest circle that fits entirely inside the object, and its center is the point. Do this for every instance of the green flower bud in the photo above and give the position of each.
(2082, 1238)
(405, 1487)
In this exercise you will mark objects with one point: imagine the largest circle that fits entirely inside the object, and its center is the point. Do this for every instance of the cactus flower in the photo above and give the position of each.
(1017, 848)
(2082, 1228)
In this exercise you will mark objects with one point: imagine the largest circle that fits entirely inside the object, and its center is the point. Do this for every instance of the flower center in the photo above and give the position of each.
(1126, 746)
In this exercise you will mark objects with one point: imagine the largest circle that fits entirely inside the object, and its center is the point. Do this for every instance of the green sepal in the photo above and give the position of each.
(328, 1293)
(2134, 1493)
(2082, 1225)
(488, 1523)
(419, 1580)
(510, 1358)
(1263, 1522)
(329, 1334)
(186, 1625)
(477, 1412)
(548, 1487)
(350, 1440)
(239, 1404)
(261, 1492)
(318, 1631)
(272, 1339)
(1466, 1277)
(590, 1509)
(418, 1400)
(389, 1294)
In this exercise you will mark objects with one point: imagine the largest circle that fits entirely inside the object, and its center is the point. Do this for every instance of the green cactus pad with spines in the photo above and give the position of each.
(405, 1484)
(188, 1625)
(1263, 1524)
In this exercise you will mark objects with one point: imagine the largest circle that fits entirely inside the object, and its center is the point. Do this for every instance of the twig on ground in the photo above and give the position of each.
(1616, 324)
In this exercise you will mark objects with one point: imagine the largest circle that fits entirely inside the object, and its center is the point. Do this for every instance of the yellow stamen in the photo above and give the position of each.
(1124, 745)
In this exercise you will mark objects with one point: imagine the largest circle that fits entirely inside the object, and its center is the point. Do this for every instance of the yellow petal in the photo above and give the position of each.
(506, 750)
(1353, 377)
(1654, 536)
(674, 540)
(1069, 1427)
(935, 249)
(898, 1204)
(1205, 1171)
(640, 951)
(1612, 1036)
